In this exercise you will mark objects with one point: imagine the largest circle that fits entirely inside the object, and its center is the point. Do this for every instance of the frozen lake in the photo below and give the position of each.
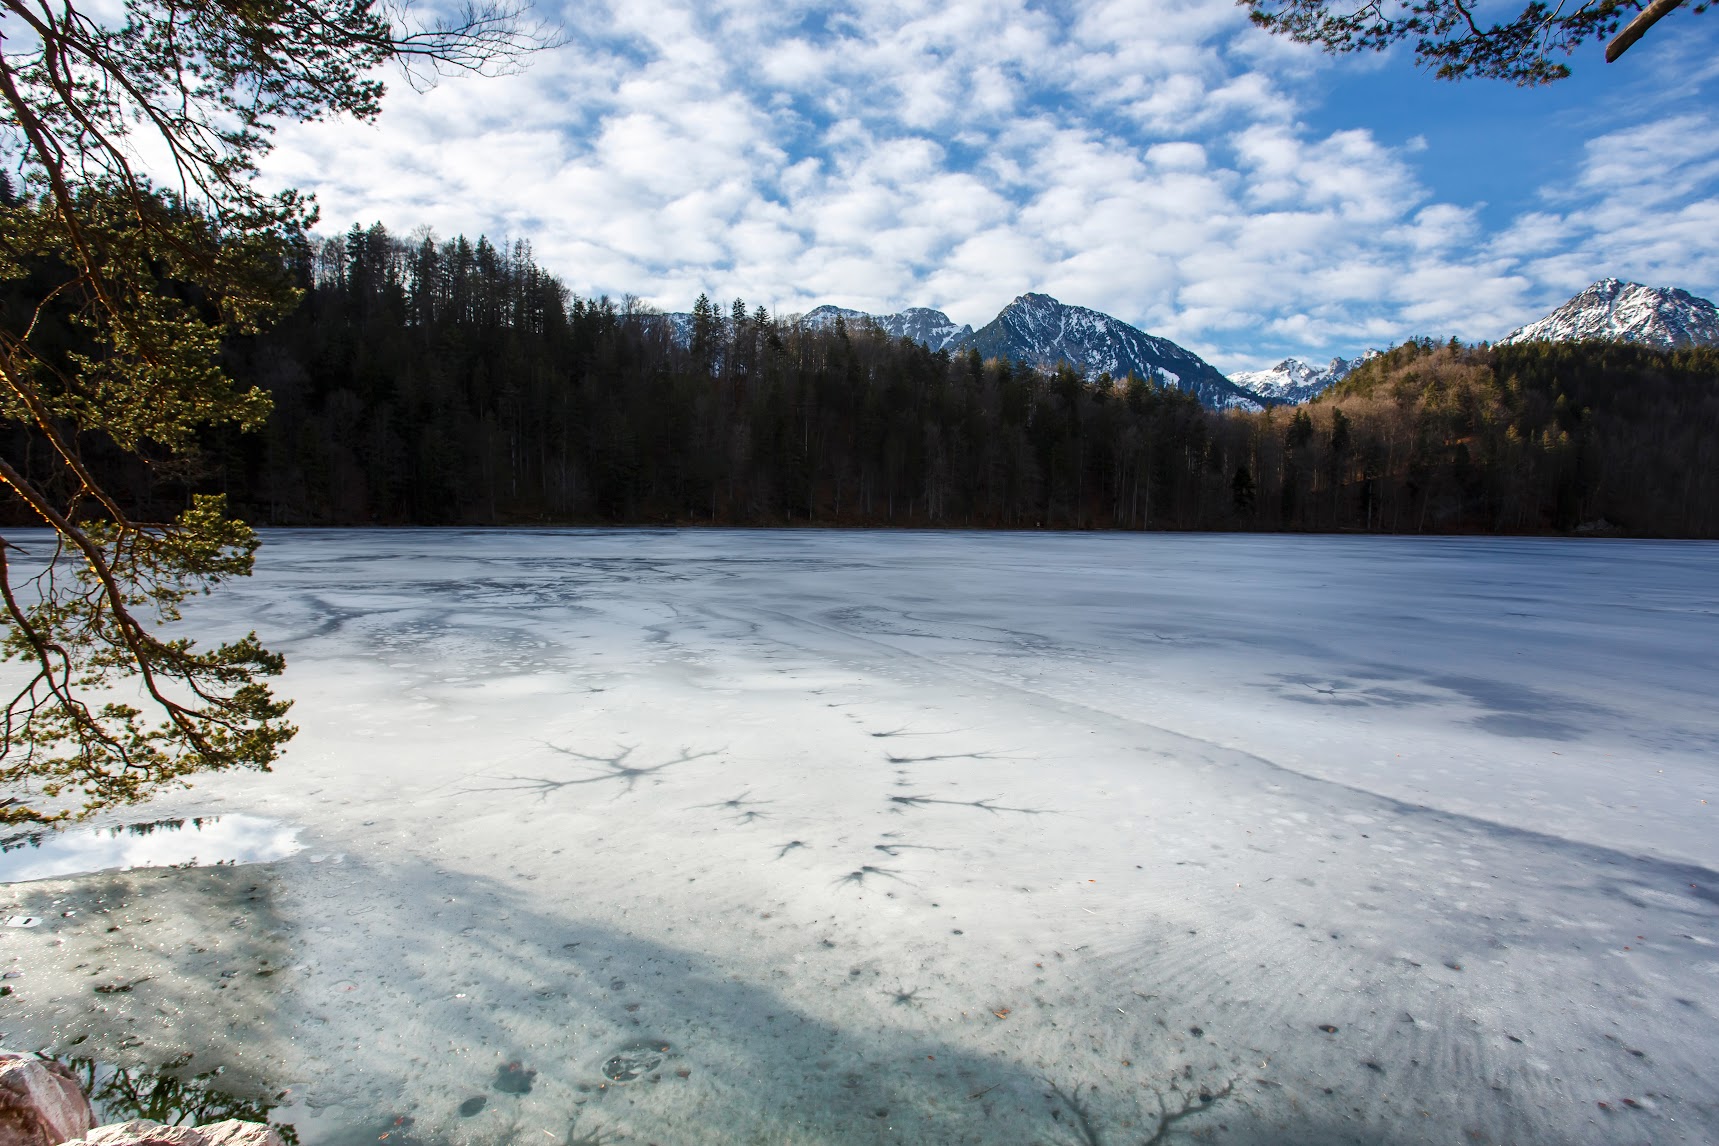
(805, 837)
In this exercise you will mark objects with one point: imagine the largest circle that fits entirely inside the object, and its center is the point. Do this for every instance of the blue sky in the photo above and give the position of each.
(1156, 159)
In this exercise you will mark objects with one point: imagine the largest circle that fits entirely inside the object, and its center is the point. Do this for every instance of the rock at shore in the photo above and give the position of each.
(141, 1132)
(235, 1133)
(41, 1103)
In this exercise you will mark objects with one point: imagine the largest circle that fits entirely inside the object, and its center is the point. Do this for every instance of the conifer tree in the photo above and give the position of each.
(1242, 490)
(121, 290)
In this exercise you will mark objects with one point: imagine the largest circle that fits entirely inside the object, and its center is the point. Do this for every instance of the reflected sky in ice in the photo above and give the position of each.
(889, 837)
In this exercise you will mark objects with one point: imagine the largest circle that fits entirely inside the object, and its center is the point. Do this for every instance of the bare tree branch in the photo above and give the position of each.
(1451, 39)
(1637, 28)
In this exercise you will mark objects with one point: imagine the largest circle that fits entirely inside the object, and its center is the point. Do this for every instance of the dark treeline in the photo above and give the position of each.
(1513, 439)
(459, 383)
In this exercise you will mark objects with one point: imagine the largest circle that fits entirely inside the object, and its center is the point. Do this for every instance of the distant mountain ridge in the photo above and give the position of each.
(1293, 381)
(1628, 312)
(1040, 331)
(929, 328)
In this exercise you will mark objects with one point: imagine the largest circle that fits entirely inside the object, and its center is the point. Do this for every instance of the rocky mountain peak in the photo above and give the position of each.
(1041, 331)
(1627, 312)
(930, 328)
(1038, 330)
(1293, 381)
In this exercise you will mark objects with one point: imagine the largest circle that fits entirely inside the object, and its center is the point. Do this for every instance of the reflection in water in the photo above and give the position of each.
(195, 842)
(166, 1096)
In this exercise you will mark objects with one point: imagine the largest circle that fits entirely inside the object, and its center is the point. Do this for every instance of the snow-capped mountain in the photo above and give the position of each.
(929, 328)
(1293, 381)
(680, 326)
(1039, 330)
(1628, 312)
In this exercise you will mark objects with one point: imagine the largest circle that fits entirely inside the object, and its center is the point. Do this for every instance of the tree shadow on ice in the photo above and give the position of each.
(899, 803)
(893, 759)
(1347, 691)
(1087, 1128)
(743, 806)
(631, 1036)
(614, 768)
(727, 1055)
(153, 978)
(1516, 710)
(1509, 709)
(419, 990)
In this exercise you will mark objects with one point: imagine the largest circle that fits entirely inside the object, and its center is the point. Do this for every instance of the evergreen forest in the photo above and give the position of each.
(458, 383)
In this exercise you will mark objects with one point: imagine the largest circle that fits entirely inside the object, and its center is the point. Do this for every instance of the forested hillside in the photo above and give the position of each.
(1533, 435)
(458, 383)
(455, 382)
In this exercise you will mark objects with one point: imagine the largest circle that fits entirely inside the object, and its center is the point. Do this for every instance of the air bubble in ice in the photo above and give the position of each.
(634, 1060)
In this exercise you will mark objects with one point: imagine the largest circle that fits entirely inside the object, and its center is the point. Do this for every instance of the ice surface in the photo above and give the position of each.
(799, 837)
(158, 843)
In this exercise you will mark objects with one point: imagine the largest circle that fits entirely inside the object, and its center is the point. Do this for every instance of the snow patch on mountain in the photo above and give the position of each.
(930, 328)
(1038, 330)
(680, 327)
(1628, 312)
(1293, 381)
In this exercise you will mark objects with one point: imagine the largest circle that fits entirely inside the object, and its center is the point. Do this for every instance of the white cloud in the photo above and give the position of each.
(1144, 157)
(1644, 206)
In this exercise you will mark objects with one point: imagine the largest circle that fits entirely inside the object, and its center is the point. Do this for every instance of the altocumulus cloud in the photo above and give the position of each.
(1143, 157)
